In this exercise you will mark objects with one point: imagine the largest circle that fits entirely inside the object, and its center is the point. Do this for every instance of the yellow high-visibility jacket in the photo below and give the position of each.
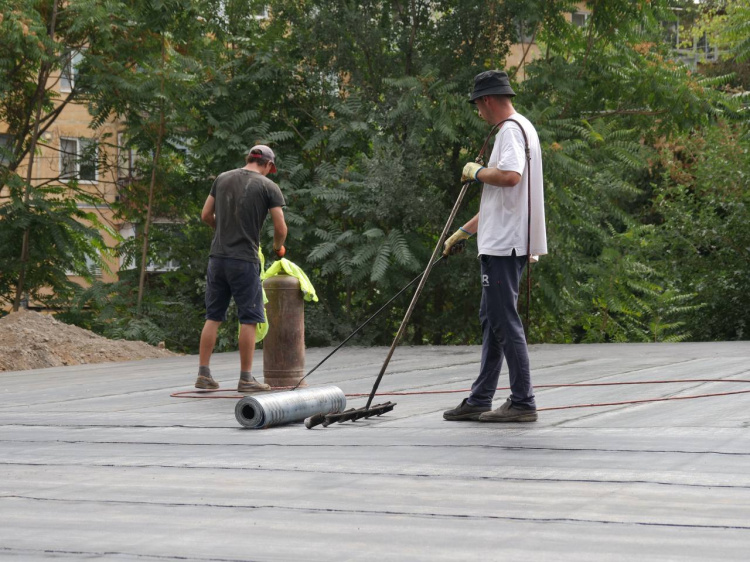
(282, 266)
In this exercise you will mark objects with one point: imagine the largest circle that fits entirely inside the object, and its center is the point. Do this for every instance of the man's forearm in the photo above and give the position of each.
(208, 213)
(279, 237)
(473, 225)
(500, 178)
(279, 227)
(210, 220)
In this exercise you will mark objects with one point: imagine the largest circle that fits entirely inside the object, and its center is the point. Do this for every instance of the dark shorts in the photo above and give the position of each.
(227, 278)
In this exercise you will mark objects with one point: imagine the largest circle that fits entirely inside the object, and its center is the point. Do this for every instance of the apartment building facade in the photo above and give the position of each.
(71, 150)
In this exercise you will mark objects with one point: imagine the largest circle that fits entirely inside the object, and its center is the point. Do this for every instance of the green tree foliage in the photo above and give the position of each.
(705, 209)
(726, 25)
(63, 238)
(44, 234)
(373, 107)
(603, 98)
(162, 92)
(146, 89)
(365, 105)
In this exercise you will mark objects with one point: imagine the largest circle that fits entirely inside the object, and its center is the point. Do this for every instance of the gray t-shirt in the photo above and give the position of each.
(242, 202)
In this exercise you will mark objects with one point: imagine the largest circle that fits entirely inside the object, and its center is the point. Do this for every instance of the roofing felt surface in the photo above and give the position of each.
(98, 462)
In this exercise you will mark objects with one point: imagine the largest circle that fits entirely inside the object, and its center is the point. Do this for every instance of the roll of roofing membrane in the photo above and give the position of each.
(277, 408)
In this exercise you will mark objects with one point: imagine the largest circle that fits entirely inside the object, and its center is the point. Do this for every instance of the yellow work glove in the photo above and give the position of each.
(456, 242)
(470, 172)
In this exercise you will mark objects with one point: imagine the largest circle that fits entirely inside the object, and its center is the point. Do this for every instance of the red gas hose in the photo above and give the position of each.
(203, 394)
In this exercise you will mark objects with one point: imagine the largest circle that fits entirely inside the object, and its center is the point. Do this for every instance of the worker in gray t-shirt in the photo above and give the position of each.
(238, 204)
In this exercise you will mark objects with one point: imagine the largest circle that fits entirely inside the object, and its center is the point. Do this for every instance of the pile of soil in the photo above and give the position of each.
(30, 340)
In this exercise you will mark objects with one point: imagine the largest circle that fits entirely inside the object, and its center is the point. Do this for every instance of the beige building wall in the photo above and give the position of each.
(520, 55)
(523, 53)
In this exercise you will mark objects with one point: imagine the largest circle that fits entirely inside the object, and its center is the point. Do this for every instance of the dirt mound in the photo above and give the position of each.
(30, 340)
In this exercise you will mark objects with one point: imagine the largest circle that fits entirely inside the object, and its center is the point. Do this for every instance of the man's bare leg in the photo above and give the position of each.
(247, 347)
(208, 341)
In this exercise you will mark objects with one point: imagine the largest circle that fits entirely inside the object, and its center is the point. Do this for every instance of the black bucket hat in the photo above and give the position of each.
(491, 83)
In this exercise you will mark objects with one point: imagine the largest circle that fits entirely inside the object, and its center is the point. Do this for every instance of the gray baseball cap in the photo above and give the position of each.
(263, 151)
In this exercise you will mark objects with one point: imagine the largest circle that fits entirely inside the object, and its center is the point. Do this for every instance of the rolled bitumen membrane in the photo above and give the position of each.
(278, 408)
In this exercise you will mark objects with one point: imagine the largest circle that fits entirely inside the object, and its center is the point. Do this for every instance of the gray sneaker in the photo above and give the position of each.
(206, 383)
(465, 411)
(509, 412)
(252, 386)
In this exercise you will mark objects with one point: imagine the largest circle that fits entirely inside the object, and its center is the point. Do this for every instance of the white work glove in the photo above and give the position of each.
(470, 172)
(456, 242)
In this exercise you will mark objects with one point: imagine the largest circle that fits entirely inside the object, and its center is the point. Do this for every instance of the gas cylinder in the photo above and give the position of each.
(284, 345)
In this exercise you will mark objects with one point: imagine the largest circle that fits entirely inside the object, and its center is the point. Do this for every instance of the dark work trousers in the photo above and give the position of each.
(502, 332)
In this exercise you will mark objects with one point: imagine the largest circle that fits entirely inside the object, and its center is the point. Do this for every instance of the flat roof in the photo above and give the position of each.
(99, 461)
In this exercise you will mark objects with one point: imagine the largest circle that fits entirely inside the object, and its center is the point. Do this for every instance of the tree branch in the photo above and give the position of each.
(526, 50)
(600, 114)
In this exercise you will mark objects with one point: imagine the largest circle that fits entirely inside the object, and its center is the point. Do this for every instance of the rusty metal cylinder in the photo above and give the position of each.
(284, 345)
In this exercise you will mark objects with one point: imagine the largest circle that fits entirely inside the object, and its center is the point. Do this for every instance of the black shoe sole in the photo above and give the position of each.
(522, 418)
(463, 417)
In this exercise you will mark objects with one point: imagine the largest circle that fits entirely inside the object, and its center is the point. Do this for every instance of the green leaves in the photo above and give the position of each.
(355, 254)
(65, 240)
(705, 210)
(604, 100)
(365, 106)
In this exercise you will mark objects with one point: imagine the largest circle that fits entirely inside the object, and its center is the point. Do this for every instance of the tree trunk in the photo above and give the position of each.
(157, 153)
(44, 70)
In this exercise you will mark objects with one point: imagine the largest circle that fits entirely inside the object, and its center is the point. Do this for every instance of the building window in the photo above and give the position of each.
(163, 266)
(78, 159)
(94, 268)
(156, 265)
(671, 33)
(524, 31)
(69, 71)
(579, 18)
(125, 158)
(6, 145)
(92, 265)
(68, 158)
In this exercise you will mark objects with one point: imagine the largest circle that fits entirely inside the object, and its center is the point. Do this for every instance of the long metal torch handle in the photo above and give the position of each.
(421, 285)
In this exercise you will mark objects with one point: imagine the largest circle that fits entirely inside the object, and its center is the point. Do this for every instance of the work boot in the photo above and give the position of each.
(510, 412)
(206, 382)
(251, 385)
(465, 411)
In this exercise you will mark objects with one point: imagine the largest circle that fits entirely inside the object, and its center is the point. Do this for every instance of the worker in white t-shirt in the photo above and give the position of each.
(506, 240)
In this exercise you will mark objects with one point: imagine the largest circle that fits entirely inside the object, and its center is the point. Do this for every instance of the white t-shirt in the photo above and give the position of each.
(503, 211)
